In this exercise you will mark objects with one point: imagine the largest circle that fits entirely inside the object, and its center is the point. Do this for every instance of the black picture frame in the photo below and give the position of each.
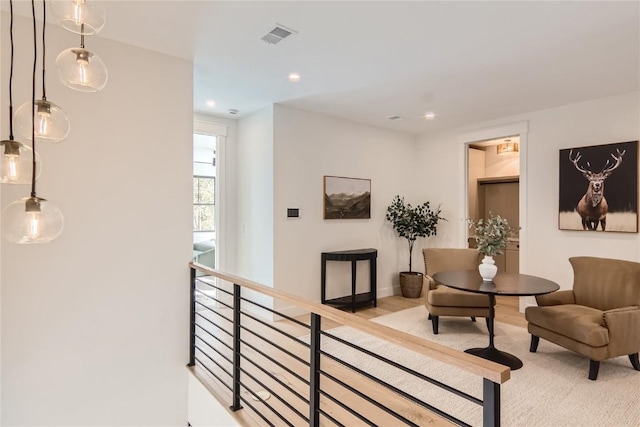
(346, 198)
(595, 192)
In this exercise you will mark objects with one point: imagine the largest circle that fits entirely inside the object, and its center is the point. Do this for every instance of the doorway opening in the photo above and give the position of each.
(493, 172)
(495, 182)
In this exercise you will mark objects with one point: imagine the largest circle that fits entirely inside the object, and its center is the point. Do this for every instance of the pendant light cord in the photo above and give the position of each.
(11, 75)
(82, 35)
(33, 101)
(44, 25)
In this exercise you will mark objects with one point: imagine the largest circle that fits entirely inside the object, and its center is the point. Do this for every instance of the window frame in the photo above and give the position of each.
(213, 204)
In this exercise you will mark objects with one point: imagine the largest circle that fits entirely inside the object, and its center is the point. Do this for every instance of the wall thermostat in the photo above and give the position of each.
(293, 213)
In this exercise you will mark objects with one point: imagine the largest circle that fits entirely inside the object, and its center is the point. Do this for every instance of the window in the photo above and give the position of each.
(203, 203)
(208, 189)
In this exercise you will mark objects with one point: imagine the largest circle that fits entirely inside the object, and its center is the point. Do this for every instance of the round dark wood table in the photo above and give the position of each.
(506, 284)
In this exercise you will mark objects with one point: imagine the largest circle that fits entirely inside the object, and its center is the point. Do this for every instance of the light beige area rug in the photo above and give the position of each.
(551, 390)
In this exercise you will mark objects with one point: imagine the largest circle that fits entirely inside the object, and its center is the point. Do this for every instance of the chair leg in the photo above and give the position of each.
(429, 316)
(534, 343)
(473, 319)
(434, 324)
(594, 366)
(634, 361)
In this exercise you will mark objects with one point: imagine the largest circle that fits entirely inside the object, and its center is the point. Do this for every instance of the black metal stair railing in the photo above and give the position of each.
(240, 350)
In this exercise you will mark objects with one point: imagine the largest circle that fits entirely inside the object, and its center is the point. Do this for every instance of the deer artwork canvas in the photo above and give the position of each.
(586, 203)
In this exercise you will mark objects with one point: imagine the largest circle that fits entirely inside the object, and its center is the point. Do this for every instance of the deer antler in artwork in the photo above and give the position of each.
(608, 167)
(575, 161)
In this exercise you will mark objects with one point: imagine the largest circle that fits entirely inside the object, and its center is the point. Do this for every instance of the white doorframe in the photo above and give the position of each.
(220, 131)
(520, 129)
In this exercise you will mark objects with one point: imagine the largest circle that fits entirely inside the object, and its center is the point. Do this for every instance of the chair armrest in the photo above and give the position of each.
(626, 317)
(556, 298)
(624, 329)
(428, 281)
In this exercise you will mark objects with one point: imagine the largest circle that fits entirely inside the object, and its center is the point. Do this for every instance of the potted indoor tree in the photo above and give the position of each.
(412, 222)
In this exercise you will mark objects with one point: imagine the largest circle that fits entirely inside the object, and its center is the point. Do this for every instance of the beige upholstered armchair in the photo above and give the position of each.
(443, 301)
(599, 317)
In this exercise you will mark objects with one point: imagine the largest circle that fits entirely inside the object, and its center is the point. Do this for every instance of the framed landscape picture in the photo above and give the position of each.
(347, 198)
(599, 188)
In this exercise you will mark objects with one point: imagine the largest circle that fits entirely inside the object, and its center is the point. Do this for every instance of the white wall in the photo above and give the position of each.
(205, 410)
(600, 121)
(94, 324)
(308, 146)
(255, 197)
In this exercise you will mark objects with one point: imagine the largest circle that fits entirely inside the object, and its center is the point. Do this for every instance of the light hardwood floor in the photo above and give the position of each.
(292, 405)
(506, 310)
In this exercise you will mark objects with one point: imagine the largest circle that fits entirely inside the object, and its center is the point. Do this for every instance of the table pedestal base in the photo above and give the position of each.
(495, 355)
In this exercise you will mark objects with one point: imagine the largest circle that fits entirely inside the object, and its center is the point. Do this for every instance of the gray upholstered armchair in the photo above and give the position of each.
(443, 301)
(599, 317)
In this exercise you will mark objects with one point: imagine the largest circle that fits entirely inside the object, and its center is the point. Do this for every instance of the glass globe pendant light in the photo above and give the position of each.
(16, 164)
(15, 160)
(79, 16)
(52, 124)
(32, 219)
(81, 69)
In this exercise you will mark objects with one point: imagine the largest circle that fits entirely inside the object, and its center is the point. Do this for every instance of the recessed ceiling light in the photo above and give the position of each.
(294, 77)
(430, 116)
(211, 103)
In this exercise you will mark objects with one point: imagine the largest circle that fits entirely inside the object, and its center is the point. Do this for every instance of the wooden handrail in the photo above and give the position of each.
(492, 371)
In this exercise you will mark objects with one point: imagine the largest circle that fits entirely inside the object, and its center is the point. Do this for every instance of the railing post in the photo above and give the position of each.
(490, 403)
(314, 371)
(192, 324)
(236, 348)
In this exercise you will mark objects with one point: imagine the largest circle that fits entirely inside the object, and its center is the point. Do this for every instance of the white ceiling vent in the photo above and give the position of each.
(276, 35)
(395, 117)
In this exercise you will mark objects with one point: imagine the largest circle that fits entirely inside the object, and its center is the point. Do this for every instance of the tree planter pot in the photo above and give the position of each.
(411, 284)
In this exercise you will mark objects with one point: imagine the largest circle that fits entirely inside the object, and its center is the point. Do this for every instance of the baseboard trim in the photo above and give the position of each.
(388, 291)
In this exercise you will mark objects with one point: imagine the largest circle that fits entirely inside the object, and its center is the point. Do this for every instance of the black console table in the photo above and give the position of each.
(354, 300)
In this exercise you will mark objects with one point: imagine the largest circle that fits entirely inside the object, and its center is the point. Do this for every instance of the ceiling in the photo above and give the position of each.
(368, 60)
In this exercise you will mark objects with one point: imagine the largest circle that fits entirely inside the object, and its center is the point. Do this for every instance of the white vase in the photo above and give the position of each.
(488, 269)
